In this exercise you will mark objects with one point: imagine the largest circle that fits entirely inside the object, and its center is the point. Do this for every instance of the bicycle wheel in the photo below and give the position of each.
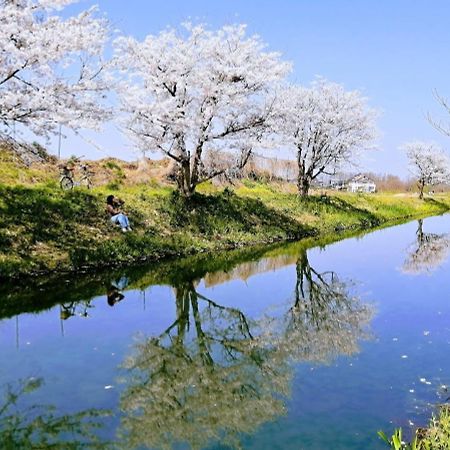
(66, 183)
(86, 181)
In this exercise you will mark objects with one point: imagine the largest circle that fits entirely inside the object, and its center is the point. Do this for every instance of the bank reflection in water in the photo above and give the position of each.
(83, 308)
(215, 374)
(40, 426)
(427, 252)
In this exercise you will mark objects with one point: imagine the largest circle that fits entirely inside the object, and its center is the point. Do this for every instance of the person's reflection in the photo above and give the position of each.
(113, 295)
(114, 292)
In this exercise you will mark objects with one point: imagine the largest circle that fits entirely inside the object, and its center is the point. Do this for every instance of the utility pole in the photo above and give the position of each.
(59, 142)
(17, 331)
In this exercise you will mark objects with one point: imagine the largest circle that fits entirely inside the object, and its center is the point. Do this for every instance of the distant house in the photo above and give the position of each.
(337, 185)
(361, 183)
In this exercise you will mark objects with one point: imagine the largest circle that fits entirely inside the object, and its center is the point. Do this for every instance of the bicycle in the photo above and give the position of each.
(72, 309)
(67, 180)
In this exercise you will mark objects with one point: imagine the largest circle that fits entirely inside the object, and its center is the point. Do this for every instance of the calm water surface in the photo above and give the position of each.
(282, 347)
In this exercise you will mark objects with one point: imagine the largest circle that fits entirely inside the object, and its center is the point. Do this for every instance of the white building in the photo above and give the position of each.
(361, 183)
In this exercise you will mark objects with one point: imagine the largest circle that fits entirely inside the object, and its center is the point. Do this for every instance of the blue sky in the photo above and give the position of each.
(395, 51)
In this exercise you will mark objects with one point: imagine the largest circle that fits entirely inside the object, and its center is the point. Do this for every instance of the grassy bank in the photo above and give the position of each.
(43, 229)
(435, 436)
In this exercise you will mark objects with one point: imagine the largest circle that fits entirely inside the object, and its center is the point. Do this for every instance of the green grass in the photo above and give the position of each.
(435, 437)
(43, 229)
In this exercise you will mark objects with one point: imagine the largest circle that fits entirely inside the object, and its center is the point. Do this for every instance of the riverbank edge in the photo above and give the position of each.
(325, 236)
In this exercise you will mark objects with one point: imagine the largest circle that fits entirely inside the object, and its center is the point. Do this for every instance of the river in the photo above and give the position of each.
(288, 347)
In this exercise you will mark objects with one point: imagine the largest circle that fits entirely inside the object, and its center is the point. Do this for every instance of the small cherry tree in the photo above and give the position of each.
(51, 69)
(325, 125)
(428, 163)
(185, 95)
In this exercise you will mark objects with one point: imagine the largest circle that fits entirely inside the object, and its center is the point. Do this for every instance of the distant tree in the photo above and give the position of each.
(325, 125)
(184, 95)
(389, 182)
(440, 125)
(428, 163)
(51, 69)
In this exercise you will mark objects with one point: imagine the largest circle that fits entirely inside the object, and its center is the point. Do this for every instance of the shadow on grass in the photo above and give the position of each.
(441, 205)
(31, 215)
(226, 212)
(335, 205)
(69, 230)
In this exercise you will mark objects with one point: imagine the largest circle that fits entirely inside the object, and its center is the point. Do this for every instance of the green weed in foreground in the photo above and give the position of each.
(435, 437)
(396, 441)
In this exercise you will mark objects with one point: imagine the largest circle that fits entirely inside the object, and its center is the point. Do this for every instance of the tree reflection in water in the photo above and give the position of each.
(40, 427)
(326, 319)
(427, 252)
(209, 384)
(215, 374)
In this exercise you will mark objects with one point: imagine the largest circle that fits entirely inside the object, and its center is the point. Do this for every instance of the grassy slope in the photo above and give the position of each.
(44, 229)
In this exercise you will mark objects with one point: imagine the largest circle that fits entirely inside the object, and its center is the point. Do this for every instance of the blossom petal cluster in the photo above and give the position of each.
(325, 125)
(186, 94)
(51, 68)
(428, 162)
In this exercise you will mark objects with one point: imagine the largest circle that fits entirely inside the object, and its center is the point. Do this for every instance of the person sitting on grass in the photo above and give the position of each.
(113, 205)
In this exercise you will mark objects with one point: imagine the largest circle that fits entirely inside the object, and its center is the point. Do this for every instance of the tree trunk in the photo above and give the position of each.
(184, 174)
(303, 181)
(419, 233)
(421, 186)
(183, 305)
(201, 338)
(303, 186)
(185, 186)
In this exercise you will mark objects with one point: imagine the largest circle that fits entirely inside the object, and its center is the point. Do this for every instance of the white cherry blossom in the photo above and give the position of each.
(428, 164)
(199, 91)
(325, 125)
(51, 68)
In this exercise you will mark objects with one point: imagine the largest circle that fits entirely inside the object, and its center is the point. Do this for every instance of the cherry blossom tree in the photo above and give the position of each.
(325, 125)
(428, 163)
(51, 69)
(187, 94)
